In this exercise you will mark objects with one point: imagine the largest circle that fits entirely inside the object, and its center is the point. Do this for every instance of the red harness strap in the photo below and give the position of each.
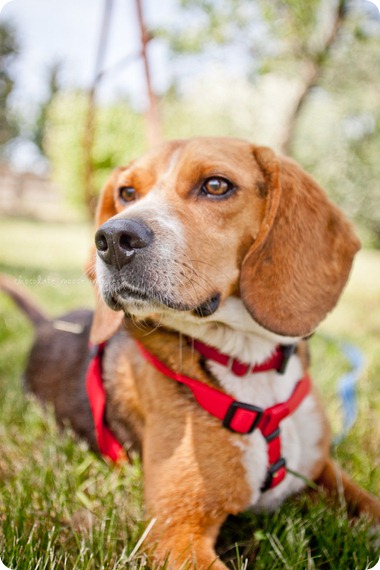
(277, 361)
(236, 416)
(240, 417)
(108, 445)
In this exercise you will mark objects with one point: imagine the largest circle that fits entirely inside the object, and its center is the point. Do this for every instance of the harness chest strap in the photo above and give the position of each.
(108, 445)
(240, 417)
(236, 416)
(277, 361)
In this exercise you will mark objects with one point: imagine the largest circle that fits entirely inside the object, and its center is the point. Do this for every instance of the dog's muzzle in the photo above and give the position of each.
(118, 241)
(137, 268)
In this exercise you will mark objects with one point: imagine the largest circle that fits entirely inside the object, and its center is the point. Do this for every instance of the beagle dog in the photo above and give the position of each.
(214, 260)
(214, 253)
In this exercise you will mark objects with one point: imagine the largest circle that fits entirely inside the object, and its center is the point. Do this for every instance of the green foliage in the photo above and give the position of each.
(206, 23)
(289, 29)
(119, 137)
(9, 49)
(295, 23)
(41, 121)
(284, 48)
(338, 134)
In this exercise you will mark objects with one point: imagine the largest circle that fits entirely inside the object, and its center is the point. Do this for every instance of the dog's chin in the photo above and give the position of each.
(139, 304)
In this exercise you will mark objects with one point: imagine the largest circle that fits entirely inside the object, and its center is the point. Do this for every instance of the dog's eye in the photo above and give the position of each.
(127, 193)
(216, 186)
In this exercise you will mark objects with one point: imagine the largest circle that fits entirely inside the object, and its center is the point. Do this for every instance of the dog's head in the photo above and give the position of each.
(194, 222)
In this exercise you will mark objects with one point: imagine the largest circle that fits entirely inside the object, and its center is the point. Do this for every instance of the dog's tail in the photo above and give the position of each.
(22, 299)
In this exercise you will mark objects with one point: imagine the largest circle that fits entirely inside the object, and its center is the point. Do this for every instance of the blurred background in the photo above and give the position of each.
(89, 85)
(86, 85)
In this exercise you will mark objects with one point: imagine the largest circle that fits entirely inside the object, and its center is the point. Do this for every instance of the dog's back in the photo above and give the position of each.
(57, 363)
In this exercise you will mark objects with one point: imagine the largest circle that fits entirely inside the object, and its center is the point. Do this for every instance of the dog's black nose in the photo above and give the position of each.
(117, 241)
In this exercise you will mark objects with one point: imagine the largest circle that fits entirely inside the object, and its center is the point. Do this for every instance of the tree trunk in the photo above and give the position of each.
(315, 67)
(89, 129)
(154, 131)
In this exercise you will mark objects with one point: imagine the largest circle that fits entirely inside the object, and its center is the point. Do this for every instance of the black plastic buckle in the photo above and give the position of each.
(287, 351)
(232, 411)
(273, 435)
(272, 470)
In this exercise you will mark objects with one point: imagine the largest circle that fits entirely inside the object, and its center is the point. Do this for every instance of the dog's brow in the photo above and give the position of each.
(172, 163)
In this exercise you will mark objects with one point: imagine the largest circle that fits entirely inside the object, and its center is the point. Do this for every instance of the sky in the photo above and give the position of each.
(56, 30)
(68, 31)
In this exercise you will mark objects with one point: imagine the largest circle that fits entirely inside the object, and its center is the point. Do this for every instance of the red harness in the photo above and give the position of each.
(108, 445)
(237, 416)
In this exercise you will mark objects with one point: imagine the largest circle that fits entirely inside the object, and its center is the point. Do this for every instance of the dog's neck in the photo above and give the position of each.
(230, 329)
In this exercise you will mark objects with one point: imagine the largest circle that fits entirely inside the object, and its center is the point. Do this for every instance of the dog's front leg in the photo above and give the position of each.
(185, 543)
(186, 524)
(193, 479)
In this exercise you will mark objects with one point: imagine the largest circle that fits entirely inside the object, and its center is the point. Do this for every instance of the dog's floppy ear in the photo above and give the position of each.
(105, 322)
(295, 270)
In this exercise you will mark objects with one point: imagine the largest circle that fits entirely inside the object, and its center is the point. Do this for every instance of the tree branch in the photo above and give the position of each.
(315, 67)
(89, 129)
(152, 114)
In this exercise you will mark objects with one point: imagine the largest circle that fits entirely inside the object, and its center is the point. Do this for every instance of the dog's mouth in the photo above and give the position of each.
(136, 301)
(208, 307)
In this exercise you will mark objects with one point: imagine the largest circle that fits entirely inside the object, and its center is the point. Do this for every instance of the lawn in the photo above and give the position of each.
(61, 507)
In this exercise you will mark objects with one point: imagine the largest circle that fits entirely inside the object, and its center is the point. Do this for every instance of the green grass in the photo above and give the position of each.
(63, 508)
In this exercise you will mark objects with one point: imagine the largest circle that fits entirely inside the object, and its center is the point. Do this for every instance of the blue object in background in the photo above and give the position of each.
(347, 387)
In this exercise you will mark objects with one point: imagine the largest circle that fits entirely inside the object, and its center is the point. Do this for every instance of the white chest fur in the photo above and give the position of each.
(233, 331)
(300, 433)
